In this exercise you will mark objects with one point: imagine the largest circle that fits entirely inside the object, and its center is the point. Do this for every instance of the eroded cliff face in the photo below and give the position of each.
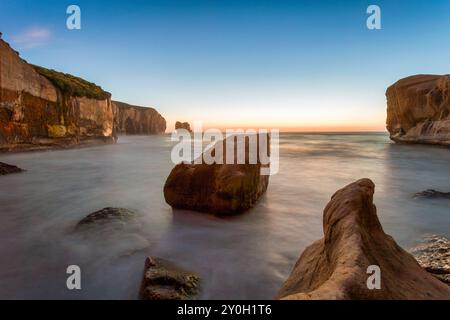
(131, 119)
(35, 113)
(418, 109)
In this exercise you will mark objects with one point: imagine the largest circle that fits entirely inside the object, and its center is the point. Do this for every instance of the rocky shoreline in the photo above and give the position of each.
(433, 254)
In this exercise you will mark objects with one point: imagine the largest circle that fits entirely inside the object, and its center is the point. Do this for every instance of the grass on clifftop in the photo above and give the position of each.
(73, 86)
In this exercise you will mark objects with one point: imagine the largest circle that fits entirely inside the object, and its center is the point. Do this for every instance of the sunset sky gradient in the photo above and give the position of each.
(293, 65)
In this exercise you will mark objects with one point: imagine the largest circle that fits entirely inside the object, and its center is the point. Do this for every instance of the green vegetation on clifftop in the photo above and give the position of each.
(73, 86)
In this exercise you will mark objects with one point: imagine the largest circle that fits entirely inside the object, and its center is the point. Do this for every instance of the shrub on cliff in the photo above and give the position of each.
(73, 86)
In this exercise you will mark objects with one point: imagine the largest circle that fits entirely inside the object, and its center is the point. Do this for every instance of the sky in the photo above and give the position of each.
(291, 65)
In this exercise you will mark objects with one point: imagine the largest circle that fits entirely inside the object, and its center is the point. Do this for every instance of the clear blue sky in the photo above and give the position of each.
(287, 64)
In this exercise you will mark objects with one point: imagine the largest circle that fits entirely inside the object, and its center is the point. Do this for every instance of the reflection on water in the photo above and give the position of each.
(247, 256)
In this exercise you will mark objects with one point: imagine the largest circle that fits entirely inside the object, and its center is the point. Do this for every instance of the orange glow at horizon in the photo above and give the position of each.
(376, 125)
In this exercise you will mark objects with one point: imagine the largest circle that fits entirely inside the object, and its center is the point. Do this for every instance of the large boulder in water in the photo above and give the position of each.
(335, 267)
(163, 280)
(8, 169)
(221, 189)
(418, 109)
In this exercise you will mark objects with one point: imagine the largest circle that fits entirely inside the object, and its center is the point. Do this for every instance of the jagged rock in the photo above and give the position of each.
(430, 193)
(434, 256)
(107, 214)
(183, 125)
(418, 109)
(131, 119)
(8, 169)
(163, 280)
(221, 189)
(45, 108)
(335, 267)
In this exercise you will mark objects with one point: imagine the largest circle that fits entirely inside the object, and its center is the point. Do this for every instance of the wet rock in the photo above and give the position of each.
(335, 267)
(434, 256)
(432, 194)
(221, 189)
(163, 280)
(106, 214)
(8, 169)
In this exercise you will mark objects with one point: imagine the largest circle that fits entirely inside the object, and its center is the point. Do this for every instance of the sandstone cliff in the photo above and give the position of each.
(131, 119)
(418, 109)
(45, 108)
(335, 267)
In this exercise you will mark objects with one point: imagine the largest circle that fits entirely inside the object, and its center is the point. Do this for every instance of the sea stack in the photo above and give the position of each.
(221, 189)
(183, 125)
(418, 110)
(354, 243)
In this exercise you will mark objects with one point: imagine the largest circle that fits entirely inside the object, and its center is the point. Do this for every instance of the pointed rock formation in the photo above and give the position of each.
(335, 267)
(418, 109)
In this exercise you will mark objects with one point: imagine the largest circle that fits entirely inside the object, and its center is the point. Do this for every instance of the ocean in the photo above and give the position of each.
(242, 257)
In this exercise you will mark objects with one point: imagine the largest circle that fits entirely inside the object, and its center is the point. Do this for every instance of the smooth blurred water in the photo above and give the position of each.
(248, 256)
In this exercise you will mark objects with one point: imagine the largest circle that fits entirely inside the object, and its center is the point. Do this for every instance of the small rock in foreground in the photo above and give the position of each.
(163, 280)
(8, 169)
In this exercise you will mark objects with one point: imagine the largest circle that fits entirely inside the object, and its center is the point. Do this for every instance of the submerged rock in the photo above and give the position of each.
(8, 169)
(335, 267)
(163, 280)
(434, 256)
(418, 109)
(106, 214)
(430, 193)
(221, 189)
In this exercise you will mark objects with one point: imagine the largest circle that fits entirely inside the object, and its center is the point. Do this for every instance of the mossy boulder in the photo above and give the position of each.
(218, 188)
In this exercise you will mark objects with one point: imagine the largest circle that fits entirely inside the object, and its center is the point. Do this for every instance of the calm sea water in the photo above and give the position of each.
(248, 256)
